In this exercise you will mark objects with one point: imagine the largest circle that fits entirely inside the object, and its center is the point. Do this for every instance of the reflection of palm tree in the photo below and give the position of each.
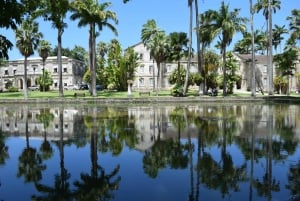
(30, 162)
(268, 183)
(223, 174)
(61, 189)
(46, 117)
(294, 179)
(97, 185)
(3, 149)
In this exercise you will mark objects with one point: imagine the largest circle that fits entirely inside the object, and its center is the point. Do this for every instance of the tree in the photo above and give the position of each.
(294, 26)
(121, 65)
(178, 44)
(156, 41)
(286, 63)
(55, 11)
(11, 15)
(27, 40)
(211, 62)
(268, 6)
(90, 13)
(205, 30)
(277, 35)
(225, 24)
(45, 81)
(44, 52)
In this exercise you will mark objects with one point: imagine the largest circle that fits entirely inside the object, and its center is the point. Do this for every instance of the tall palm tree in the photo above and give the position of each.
(225, 24)
(205, 40)
(55, 11)
(156, 41)
(268, 6)
(89, 12)
(27, 40)
(44, 50)
(278, 31)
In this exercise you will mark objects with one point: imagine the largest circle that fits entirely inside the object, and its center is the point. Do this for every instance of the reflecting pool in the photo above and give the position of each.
(195, 152)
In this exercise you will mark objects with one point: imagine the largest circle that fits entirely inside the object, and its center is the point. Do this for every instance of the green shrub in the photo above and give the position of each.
(13, 89)
(177, 91)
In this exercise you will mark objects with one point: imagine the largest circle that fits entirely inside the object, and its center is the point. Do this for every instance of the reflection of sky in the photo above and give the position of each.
(169, 185)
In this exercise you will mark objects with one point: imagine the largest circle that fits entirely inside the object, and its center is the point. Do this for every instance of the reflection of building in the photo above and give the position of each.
(14, 123)
(13, 71)
(154, 123)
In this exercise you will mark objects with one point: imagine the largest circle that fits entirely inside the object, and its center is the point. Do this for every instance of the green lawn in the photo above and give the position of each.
(111, 94)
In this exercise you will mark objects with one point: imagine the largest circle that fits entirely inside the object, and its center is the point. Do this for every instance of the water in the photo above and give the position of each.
(190, 152)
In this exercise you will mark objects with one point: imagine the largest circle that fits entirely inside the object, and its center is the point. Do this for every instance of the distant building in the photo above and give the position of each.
(72, 72)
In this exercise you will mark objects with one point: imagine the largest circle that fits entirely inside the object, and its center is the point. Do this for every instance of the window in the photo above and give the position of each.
(141, 56)
(151, 69)
(142, 68)
(142, 81)
(151, 82)
(169, 68)
(265, 69)
(6, 72)
(65, 70)
(55, 70)
(15, 71)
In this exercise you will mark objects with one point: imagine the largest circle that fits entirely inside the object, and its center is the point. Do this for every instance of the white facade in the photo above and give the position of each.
(146, 73)
(72, 72)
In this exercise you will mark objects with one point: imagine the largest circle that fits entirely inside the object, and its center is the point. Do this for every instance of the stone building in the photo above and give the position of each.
(261, 67)
(72, 72)
(146, 73)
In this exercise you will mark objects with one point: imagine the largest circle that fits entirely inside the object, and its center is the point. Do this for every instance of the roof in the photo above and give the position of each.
(261, 59)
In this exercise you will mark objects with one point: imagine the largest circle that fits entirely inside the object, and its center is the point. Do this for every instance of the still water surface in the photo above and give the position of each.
(150, 153)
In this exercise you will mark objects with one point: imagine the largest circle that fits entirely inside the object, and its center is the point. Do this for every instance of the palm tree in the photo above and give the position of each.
(90, 13)
(277, 35)
(44, 50)
(27, 40)
(156, 41)
(55, 11)
(225, 24)
(294, 25)
(178, 42)
(268, 6)
(205, 30)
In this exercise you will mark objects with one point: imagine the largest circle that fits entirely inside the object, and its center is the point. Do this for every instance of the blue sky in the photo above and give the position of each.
(170, 15)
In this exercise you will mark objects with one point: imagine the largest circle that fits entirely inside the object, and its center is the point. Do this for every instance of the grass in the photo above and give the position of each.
(112, 94)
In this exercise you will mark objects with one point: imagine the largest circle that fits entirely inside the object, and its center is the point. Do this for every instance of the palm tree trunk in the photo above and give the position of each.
(185, 87)
(224, 70)
(270, 56)
(200, 66)
(252, 51)
(60, 82)
(158, 80)
(25, 79)
(92, 60)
